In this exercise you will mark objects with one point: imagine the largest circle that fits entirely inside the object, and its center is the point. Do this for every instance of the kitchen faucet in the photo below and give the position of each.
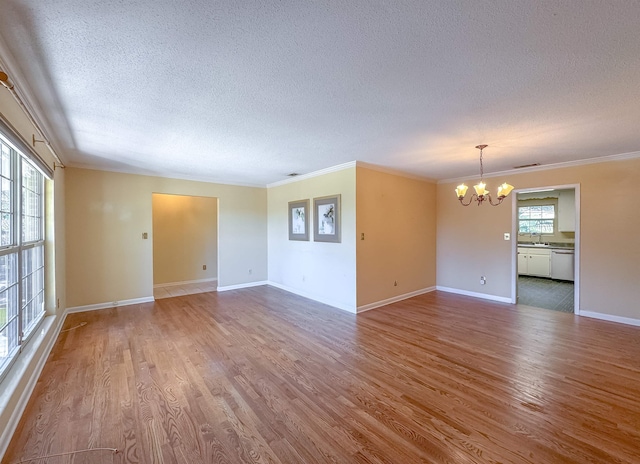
(534, 234)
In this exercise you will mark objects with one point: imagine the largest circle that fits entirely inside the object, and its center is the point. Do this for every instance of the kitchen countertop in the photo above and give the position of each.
(552, 246)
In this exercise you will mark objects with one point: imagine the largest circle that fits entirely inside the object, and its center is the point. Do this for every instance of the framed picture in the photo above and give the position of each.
(299, 220)
(326, 218)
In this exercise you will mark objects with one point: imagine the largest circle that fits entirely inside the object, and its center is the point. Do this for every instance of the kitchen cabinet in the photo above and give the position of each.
(534, 261)
(567, 211)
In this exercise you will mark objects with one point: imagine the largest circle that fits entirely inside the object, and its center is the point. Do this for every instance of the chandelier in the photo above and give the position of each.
(482, 193)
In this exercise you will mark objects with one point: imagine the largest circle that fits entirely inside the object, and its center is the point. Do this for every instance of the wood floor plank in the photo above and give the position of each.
(263, 376)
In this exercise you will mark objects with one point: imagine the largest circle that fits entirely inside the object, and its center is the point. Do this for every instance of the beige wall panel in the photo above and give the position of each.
(107, 212)
(470, 240)
(397, 216)
(322, 271)
(185, 237)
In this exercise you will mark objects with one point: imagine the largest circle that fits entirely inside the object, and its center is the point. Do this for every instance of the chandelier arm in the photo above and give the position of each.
(470, 200)
(500, 198)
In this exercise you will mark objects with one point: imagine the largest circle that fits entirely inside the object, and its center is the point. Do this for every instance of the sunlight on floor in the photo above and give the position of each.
(184, 289)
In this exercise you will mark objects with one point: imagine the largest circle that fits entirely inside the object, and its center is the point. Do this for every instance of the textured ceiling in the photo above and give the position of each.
(248, 91)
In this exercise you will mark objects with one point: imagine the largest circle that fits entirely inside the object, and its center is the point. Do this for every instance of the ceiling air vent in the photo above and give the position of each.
(292, 174)
(526, 166)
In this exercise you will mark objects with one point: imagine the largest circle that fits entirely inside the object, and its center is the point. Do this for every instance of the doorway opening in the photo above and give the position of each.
(185, 245)
(546, 260)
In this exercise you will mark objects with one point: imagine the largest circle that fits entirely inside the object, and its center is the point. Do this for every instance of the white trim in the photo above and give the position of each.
(577, 241)
(484, 296)
(245, 285)
(611, 318)
(344, 307)
(514, 248)
(321, 172)
(112, 304)
(185, 282)
(546, 167)
(394, 299)
(52, 330)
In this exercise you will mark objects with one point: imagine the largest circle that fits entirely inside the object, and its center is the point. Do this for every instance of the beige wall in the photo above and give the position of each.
(470, 241)
(185, 237)
(106, 214)
(397, 216)
(322, 271)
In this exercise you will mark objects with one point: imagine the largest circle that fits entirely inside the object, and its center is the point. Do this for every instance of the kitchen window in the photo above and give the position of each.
(536, 219)
(21, 250)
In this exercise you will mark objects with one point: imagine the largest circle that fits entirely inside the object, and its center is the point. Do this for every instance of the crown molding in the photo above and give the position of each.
(547, 167)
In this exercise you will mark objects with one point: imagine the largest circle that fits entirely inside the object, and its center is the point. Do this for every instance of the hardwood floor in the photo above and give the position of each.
(262, 376)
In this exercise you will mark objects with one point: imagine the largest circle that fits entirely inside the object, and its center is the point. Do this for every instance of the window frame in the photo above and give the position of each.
(27, 319)
(553, 220)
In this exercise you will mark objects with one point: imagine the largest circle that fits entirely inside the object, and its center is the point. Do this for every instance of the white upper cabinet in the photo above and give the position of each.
(567, 211)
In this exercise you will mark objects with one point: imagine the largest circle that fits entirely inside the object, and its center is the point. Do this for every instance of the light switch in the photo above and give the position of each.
(507, 236)
(145, 235)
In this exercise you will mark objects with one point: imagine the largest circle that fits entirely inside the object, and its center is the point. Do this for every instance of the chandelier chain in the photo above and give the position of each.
(481, 167)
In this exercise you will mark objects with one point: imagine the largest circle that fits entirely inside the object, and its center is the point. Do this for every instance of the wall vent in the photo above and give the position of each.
(526, 166)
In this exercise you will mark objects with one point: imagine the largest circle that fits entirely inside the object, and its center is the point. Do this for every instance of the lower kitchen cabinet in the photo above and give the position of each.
(533, 261)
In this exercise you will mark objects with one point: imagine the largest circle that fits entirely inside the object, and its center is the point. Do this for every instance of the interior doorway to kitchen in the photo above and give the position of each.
(546, 248)
(185, 245)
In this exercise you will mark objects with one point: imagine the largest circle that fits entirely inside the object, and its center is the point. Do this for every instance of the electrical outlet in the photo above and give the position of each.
(250, 271)
(204, 267)
(145, 235)
(395, 283)
(362, 236)
(507, 236)
(483, 280)
(58, 303)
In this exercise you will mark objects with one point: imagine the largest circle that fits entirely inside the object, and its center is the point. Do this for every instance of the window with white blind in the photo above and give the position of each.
(21, 251)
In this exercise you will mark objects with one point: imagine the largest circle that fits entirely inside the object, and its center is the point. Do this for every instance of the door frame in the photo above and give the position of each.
(514, 242)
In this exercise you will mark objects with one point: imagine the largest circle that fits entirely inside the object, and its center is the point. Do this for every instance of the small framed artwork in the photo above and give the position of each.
(326, 218)
(299, 220)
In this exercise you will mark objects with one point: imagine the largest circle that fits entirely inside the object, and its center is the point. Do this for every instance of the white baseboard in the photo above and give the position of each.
(11, 382)
(349, 308)
(246, 285)
(394, 299)
(484, 296)
(113, 304)
(611, 318)
(185, 282)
